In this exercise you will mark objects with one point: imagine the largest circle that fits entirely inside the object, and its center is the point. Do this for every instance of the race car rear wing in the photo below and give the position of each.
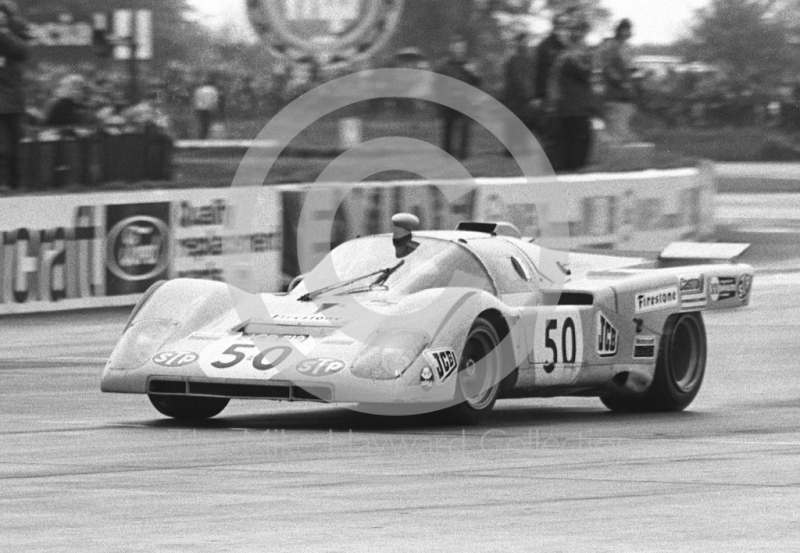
(678, 254)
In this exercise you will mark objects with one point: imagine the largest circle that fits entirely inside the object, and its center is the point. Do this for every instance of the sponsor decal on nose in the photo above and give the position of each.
(174, 358)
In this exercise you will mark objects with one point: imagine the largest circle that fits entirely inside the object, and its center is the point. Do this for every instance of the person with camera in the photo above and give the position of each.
(14, 38)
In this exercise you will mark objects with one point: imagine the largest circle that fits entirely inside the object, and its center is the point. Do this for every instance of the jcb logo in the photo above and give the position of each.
(606, 337)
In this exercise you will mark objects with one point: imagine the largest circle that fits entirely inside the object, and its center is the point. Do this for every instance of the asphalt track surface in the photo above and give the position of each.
(82, 470)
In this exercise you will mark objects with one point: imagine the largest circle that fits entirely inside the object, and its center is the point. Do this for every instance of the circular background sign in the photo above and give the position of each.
(335, 32)
(138, 248)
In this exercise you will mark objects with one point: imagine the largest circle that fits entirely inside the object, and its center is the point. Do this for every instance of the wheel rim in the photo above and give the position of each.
(477, 378)
(685, 355)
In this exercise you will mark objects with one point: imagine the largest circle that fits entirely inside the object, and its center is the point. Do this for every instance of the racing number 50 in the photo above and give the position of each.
(569, 344)
(258, 361)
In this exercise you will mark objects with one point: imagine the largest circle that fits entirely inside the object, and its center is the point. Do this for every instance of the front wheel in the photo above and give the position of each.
(680, 368)
(478, 378)
(189, 408)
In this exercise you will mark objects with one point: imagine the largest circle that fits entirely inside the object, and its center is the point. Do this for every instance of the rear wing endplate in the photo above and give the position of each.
(696, 253)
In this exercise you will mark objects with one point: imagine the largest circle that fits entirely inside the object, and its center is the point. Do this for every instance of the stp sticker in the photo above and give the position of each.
(320, 367)
(444, 362)
(174, 358)
(606, 337)
(656, 300)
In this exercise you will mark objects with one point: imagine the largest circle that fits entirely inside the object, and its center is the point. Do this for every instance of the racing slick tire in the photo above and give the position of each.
(478, 379)
(680, 369)
(188, 408)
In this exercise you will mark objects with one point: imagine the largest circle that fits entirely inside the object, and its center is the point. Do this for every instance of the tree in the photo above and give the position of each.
(746, 38)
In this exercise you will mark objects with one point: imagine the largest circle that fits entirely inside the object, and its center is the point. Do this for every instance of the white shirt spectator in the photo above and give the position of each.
(206, 98)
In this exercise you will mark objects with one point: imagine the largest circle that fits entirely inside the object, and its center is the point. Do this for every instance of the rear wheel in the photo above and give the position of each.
(679, 372)
(188, 407)
(478, 378)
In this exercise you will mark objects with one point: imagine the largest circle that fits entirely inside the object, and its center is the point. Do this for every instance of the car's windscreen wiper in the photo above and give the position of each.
(381, 280)
(382, 275)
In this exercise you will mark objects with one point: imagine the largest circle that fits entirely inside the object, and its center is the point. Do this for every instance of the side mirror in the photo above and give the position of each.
(295, 282)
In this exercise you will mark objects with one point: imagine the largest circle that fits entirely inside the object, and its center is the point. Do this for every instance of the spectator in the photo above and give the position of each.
(149, 113)
(519, 84)
(548, 52)
(14, 37)
(617, 71)
(573, 99)
(206, 103)
(455, 125)
(68, 109)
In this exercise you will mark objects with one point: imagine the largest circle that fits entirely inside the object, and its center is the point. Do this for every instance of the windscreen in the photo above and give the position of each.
(434, 264)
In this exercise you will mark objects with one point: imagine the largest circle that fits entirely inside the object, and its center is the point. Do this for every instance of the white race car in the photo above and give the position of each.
(438, 320)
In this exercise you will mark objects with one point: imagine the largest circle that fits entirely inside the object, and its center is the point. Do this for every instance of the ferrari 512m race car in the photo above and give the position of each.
(444, 321)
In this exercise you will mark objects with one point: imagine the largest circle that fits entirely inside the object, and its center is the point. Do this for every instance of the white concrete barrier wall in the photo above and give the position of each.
(63, 252)
(77, 251)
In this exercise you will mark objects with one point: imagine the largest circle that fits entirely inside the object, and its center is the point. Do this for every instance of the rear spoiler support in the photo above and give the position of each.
(679, 254)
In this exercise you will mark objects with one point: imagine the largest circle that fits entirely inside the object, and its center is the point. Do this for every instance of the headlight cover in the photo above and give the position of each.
(388, 353)
(140, 341)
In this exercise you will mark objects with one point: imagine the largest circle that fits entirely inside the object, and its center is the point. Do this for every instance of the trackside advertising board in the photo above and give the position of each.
(104, 249)
(77, 251)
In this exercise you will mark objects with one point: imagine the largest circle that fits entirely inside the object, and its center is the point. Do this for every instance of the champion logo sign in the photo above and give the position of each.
(657, 299)
(606, 337)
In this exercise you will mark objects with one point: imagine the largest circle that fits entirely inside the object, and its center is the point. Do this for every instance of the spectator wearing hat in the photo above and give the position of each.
(455, 125)
(14, 38)
(616, 64)
(573, 101)
(519, 85)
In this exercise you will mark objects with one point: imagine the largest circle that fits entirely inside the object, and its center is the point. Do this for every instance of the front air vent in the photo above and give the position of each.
(239, 390)
(287, 392)
(167, 387)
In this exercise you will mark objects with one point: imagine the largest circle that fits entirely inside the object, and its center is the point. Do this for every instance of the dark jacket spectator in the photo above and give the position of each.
(571, 90)
(456, 124)
(548, 52)
(572, 96)
(13, 53)
(519, 83)
(67, 110)
(616, 61)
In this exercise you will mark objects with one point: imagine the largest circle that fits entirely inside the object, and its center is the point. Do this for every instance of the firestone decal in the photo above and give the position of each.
(656, 300)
